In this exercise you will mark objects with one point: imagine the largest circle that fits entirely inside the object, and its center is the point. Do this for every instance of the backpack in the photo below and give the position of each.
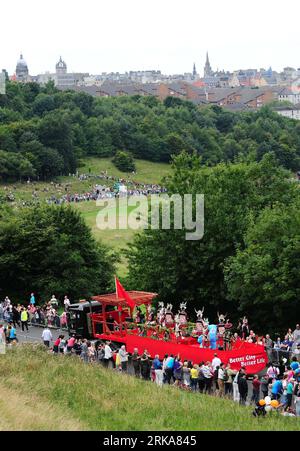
(226, 376)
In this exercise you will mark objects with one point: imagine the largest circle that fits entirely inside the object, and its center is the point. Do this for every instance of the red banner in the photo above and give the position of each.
(253, 357)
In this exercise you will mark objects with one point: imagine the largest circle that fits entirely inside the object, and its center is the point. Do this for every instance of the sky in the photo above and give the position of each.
(98, 36)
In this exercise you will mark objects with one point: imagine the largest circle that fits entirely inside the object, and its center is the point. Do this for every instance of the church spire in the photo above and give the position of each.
(194, 70)
(208, 72)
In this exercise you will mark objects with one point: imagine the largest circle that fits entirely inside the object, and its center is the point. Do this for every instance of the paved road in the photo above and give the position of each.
(34, 334)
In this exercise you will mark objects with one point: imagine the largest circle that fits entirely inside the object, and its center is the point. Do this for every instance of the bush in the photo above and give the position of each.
(124, 161)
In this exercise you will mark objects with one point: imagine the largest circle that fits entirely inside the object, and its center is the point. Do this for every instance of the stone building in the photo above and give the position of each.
(22, 72)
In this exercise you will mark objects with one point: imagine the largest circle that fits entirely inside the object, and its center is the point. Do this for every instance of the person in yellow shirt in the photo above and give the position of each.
(24, 319)
(194, 377)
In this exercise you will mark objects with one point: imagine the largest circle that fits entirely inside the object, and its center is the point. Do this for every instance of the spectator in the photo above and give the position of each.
(32, 299)
(221, 373)
(264, 383)
(67, 303)
(84, 352)
(169, 365)
(272, 373)
(157, 366)
(12, 334)
(255, 389)
(235, 388)
(201, 378)
(108, 355)
(136, 360)
(53, 301)
(228, 380)
(123, 358)
(24, 319)
(243, 388)
(145, 366)
(289, 394)
(296, 334)
(294, 364)
(57, 343)
(47, 336)
(215, 362)
(16, 316)
(91, 352)
(70, 344)
(186, 374)
(208, 374)
(177, 371)
(277, 389)
(194, 378)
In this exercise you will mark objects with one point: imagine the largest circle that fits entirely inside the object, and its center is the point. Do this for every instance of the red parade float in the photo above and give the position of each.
(110, 317)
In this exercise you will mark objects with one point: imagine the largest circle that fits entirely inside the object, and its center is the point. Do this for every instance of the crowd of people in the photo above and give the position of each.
(281, 382)
(63, 192)
(104, 192)
(22, 315)
(211, 377)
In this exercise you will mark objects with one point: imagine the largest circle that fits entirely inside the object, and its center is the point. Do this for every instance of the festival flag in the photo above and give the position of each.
(122, 293)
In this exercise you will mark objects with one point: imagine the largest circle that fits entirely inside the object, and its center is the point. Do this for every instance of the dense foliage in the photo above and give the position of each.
(264, 275)
(124, 161)
(235, 196)
(50, 250)
(51, 130)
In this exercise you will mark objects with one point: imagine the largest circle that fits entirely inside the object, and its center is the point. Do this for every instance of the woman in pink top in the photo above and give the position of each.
(70, 344)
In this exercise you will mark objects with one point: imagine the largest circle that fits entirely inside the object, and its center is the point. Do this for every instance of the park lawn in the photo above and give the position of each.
(91, 397)
(115, 239)
(146, 171)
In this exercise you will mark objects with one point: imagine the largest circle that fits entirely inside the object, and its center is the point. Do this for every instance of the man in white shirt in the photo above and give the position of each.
(296, 334)
(47, 336)
(123, 357)
(215, 362)
(67, 303)
(108, 355)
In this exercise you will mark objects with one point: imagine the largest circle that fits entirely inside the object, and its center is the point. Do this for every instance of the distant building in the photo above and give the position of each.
(22, 72)
(292, 112)
(208, 72)
(61, 77)
(234, 81)
(288, 95)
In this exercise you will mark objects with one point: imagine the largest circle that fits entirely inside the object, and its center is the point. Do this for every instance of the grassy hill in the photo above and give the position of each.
(40, 391)
(146, 172)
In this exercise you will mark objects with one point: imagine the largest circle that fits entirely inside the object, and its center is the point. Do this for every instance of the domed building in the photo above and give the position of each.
(22, 73)
(61, 67)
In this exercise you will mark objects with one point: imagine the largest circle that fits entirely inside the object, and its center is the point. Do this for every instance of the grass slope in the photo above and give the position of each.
(90, 397)
(146, 172)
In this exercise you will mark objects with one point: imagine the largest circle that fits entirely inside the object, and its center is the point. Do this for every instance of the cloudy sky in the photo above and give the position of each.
(119, 35)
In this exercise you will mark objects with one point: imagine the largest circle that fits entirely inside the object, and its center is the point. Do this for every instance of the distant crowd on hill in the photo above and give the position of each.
(122, 188)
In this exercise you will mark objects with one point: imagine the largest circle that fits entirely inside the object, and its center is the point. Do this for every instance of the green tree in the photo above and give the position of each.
(263, 278)
(164, 261)
(124, 161)
(51, 250)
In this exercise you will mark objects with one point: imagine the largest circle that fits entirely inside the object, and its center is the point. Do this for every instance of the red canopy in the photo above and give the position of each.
(139, 298)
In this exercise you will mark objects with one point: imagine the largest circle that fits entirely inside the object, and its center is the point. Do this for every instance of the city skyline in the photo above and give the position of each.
(200, 71)
(102, 37)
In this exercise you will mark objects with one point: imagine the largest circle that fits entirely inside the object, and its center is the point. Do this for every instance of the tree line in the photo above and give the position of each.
(248, 261)
(45, 132)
